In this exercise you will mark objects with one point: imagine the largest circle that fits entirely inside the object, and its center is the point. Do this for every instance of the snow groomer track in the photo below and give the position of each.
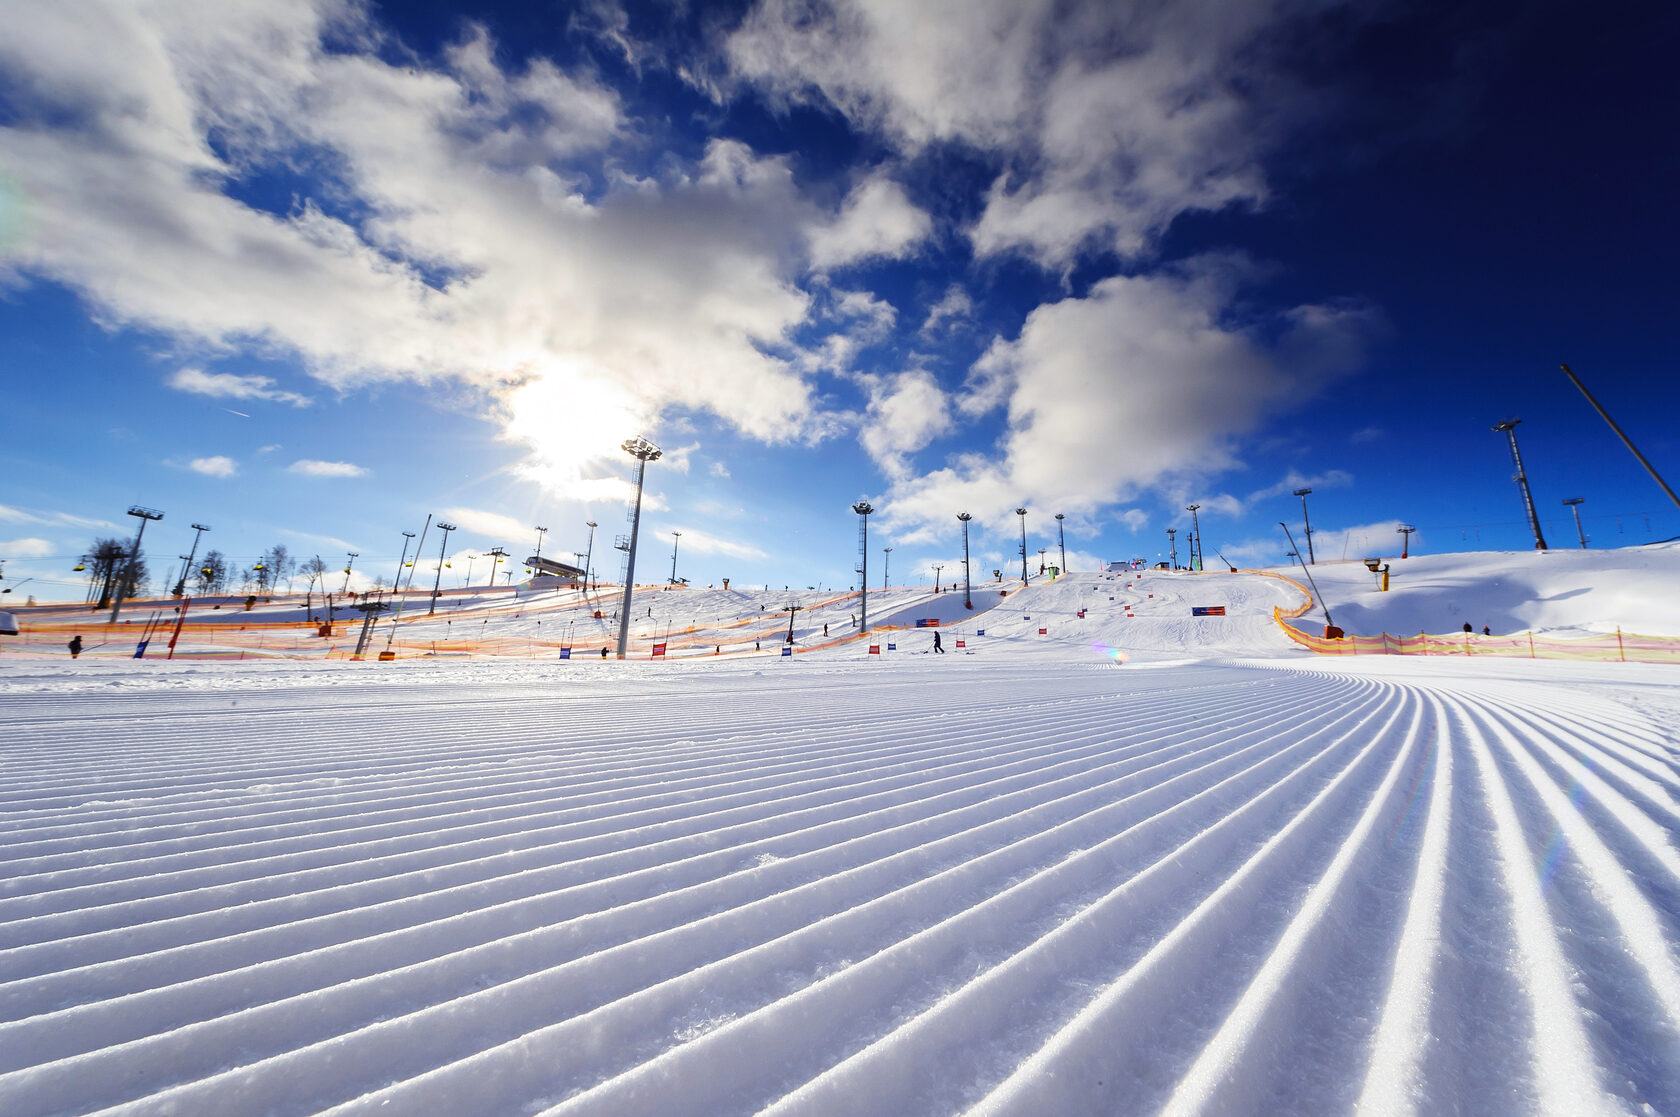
(940, 884)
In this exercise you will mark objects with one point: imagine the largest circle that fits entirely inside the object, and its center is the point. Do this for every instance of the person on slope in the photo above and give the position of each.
(936, 645)
(75, 645)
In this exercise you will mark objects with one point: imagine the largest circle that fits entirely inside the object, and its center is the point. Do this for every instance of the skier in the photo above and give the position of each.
(1467, 627)
(1486, 631)
(75, 645)
(936, 645)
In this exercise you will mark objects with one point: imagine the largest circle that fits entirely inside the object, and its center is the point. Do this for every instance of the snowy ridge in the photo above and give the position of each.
(931, 884)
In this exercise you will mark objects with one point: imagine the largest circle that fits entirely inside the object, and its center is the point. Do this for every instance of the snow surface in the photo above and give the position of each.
(1144, 863)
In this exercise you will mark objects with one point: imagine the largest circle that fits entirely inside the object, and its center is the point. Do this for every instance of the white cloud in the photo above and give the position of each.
(30, 547)
(313, 467)
(718, 469)
(218, 466)
(226, 385)
(1111, 119)
(953, 308)
(1111, 393)
(64, 519)
(505, 530)
(583, 310)
(906, 412)
(704, 542)
(877, 220)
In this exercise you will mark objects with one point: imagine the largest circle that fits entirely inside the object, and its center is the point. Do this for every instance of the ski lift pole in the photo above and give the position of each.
(1322, 604)
(1605, 415)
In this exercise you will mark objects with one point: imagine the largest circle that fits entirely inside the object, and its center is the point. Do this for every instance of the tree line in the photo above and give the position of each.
(113, 564)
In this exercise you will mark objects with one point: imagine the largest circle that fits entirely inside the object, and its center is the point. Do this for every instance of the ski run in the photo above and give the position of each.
(1135, 863)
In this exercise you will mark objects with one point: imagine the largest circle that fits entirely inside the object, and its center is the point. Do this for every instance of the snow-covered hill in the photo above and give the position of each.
(1139, 862)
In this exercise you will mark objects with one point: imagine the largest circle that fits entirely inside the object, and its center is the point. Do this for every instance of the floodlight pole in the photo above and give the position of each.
(589, 553)
(863, 508)
(1405, 531)
(1574, 503)
(938, 567)
(1196, 562)
(676, 540)
(348, 563)
(1605, 415)
(968, 586)
(1022, 512)
(1509, 427)
(1172, 542)
(442, 547)
(1302, 493)
(886, 563)
(643, 451)
(143, 514)
(1061, 541)
(181, 585)
(541, 531)
(1296, 551)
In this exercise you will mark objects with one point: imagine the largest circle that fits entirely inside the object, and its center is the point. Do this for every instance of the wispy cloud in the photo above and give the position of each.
(312, 467)
(54, 519)
(227, 385)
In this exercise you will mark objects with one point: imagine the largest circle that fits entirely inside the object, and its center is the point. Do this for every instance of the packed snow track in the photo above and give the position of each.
(930, 885)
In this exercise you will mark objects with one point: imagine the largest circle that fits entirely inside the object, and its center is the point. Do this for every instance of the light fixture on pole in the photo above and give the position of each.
(643, 451)
(1574, 503)
(886, 561)
(1509, 428)
(471, 558)
(143, 515)
(1061, 541)
(589, 551)
(181, 585)
(968, 585)
(541, 531)
(442, 547)
(1172, 542)
(348, 563)
(1022, 512)
(1302, 493)
(937, 568)
(863, 508)
(1196, 562)
(1405, 531)
(676, 538)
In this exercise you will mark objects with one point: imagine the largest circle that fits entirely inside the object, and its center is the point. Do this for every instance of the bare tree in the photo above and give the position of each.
(113, 561)
(212, 574)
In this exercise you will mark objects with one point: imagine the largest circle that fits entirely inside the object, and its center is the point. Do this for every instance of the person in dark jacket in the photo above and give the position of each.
(936, 644)
(75, 645)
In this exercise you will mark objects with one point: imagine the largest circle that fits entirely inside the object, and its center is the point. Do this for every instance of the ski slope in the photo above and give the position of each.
(1140, 863)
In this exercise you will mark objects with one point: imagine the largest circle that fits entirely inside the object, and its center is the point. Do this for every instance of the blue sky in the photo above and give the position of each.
(309, 273)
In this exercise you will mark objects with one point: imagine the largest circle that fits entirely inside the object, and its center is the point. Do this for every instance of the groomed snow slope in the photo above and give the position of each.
(1024, 878)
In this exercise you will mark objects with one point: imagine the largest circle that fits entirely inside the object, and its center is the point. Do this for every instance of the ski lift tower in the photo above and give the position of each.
(143, 514)
(643, 451)
(1509, 428)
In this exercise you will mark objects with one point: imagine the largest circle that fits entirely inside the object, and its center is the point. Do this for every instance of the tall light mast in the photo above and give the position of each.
(643, 451)
(863, 508)
(968, 588)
